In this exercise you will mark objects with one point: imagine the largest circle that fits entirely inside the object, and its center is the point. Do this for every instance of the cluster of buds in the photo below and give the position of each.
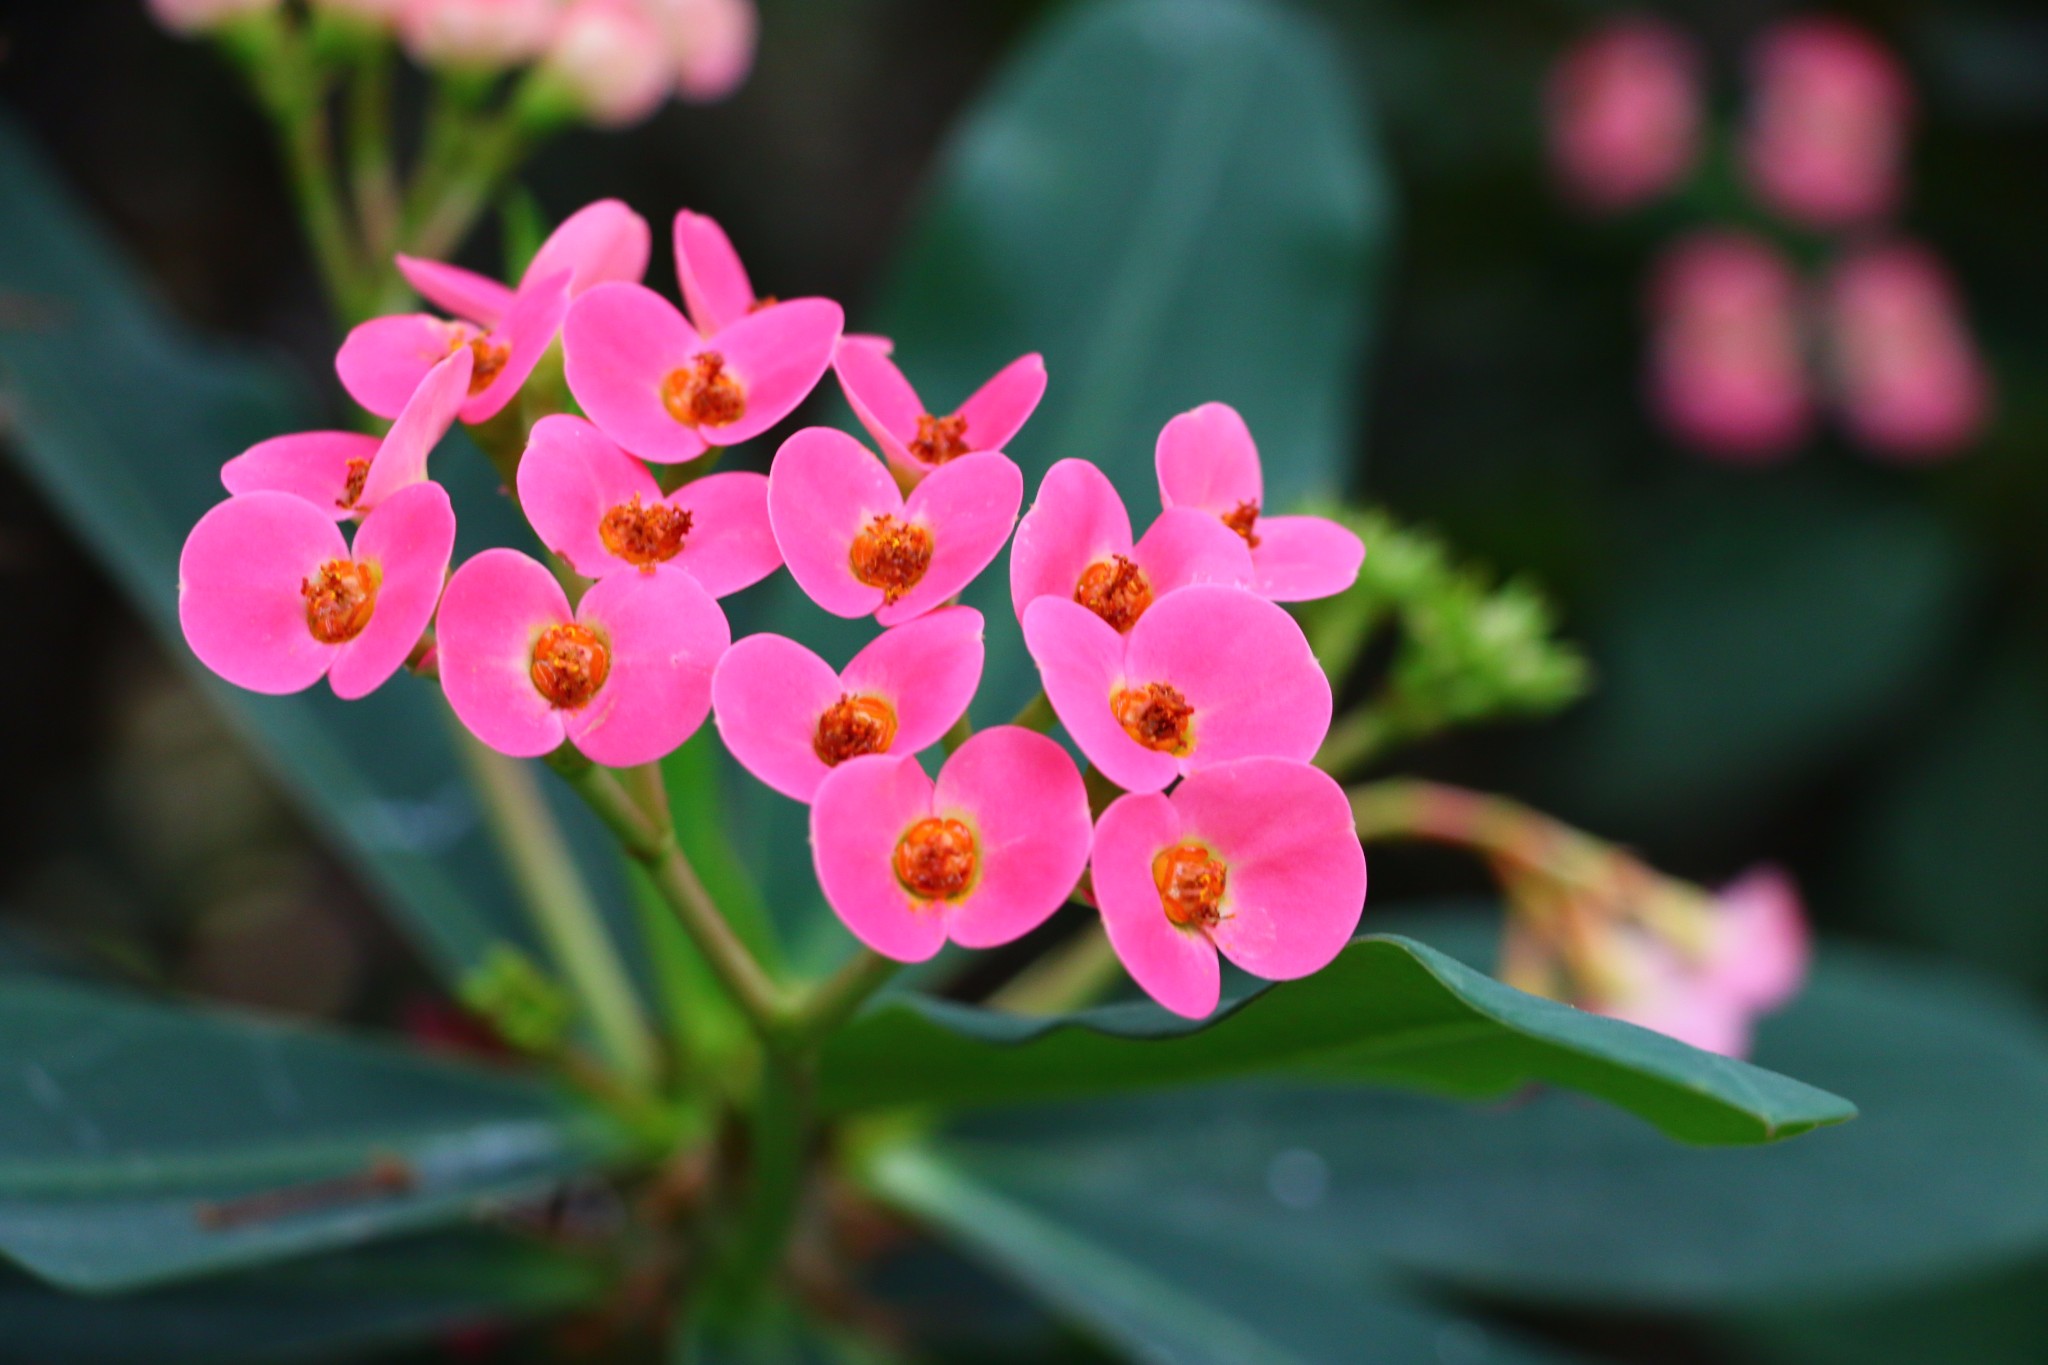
(1195, 698)
(1824, 148)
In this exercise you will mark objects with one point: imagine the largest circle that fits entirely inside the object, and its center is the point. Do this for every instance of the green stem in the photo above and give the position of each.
(779, 1131)
(839, 997)
(1357, 740)
(1036, 715)
(281, 68)
(1075, 974)
(372, 174)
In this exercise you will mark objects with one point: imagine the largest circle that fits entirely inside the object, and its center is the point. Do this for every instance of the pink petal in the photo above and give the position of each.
(382, 361)
(731, 544)
(1245, 667)
(1295, 884)
(492, 613)
(310, 464)
(409, 538)
(569, 477)
(716, 289)
(1175, 966)
(529, 329)
(601, 243)
(768, 693)
(998, 410)
(881, 398)
(402, 459)
(238, 590)
(620, 342)
(778, 354)
(927, 670)
(1022, 796)
(1206, 459)
(1077, 520)
(969, 505)
(823, 488)
(666, 634)
(1763, 944)
(468, 295)
(1681, 1006)
(860, 813)
(1303, 558)
(1080, 659)
(1185, 546)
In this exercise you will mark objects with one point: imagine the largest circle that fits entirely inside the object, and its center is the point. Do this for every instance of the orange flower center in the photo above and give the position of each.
(1157, 716)
(645, 536)
(936, 859)
(358, 475)
(1116, 590)
(853, 726)
(702, 394)
(492, 356)
(891, 555)
(340, 599)
(570, 664)
(1243, 520)
(939, 439)
(1190, 882)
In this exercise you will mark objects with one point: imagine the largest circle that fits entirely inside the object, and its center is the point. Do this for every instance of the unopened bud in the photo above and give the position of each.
(203, 16)
(477, 35)
(711, 43)
(609, 59)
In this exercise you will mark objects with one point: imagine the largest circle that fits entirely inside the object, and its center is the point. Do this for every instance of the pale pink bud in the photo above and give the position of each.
(485, 35)
(711, 45)
(1727, 363)
(609, 57)
(1826, 142)
(1905, 368)
(1624, 113)
(203, 16)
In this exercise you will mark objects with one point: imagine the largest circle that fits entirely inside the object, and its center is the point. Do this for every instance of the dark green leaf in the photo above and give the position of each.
(1389, 1009)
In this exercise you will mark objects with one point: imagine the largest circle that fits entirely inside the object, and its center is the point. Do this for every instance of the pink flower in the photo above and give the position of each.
(790, 720)
(382, 361)
(203, 16)
(599, 508)
(1256, 858)
(710, 45)
(1902, 361)
(599, 243)
(1207, 461)
(856, 546)
(716, 289)
(1209, 674)
(1727, 363)
(1624, 112)
(982, 856)
(1075, 543)
(1826, 141)
(477, 35)
(915, 441)
(346, 473)
(272, 598)
(625, 677)
(664, 392)
(607, 56)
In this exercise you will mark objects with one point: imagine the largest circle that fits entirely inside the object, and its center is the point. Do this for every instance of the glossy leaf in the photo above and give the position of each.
(1388, 1010)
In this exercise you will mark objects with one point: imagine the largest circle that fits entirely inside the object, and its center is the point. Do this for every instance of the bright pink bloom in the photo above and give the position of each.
(982, 856)
(382, 361)
(476, 35)
(917, 442)
(1257, 859)
(856, 546)
(790, 720)
(1075, 543)
(1727, 355)
(600, 509)
(272, 598)
(1826, 141)
(601, 242)
(202, 16)
(667, 394)
(1624, 109)
(608, 57)
(346, 473)
(710, 44)
(1209, 674)
(1903, 363)
(625, 677)
(1207, 461)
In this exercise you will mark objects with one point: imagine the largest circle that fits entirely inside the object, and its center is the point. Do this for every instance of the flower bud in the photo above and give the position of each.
(609, 58)
(478, 35)
(1826, 141)
(1900, 356)
(1624, 114)
(711, 45)
(1727, 361)
(203, 16)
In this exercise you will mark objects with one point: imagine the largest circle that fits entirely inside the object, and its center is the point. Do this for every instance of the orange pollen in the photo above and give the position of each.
(936, 859)
(358, 475)
(570, 664)
(765, 301)
(645, 536)
(853, 726)
(891, 555)
(1157, 716)
(492, 357)
(1190, 882)
(1116, 590)
(939, 439)
(702, 394)
(340, 599)
(1243, 520)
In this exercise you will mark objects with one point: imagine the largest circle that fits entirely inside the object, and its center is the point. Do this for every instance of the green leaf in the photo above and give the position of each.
(1191, 1295)
(1388, 1010)
(141, 1144)
(1174, 201)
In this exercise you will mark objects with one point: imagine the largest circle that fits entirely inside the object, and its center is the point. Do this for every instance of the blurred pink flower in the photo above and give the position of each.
(1727, 353)
(1624, 108)
(608, 57)
(481, 35)
(1826, 139)
(1901, 359)
(200, 16)
(710, 45)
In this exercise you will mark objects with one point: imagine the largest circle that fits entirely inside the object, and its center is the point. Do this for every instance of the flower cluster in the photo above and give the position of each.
(1823, 148)
(1163, 654)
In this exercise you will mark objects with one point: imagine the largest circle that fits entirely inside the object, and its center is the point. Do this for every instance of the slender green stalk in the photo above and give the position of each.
(1075, 974)
(281, 68)
(779, 1131)
(1357, 740)
(839, 997)
(372, 174)
(1036, 715)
